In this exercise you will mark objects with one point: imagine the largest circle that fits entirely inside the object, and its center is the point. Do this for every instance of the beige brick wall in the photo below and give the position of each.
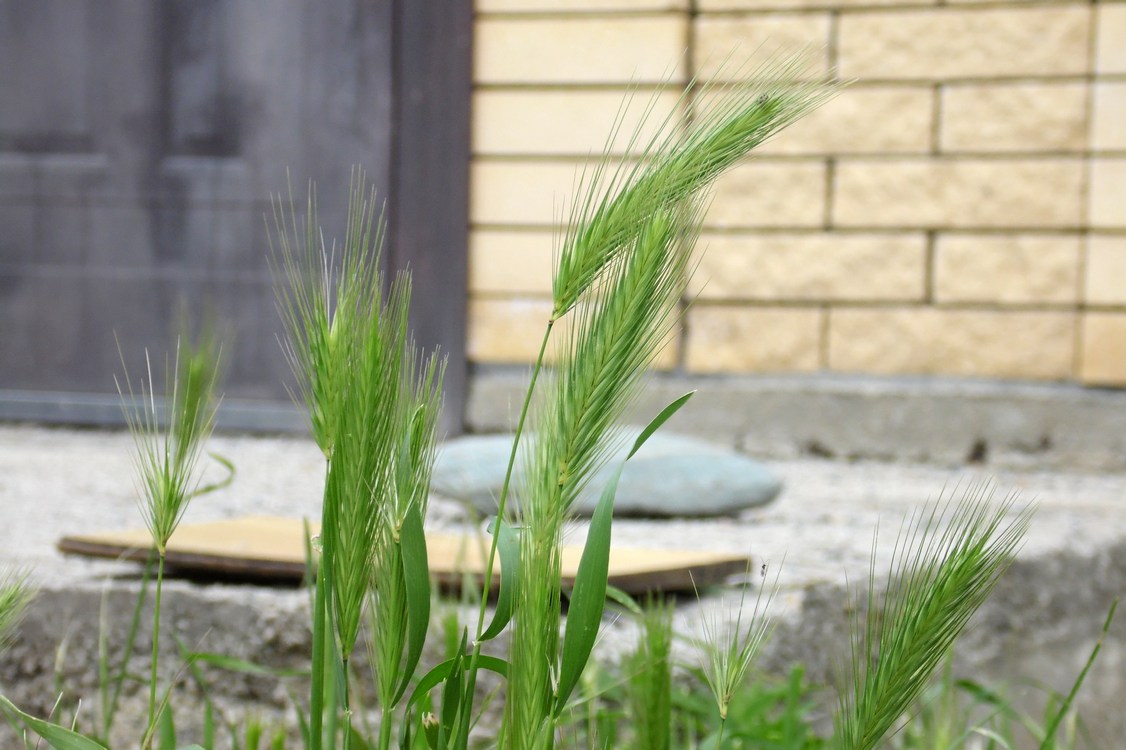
(960, 209)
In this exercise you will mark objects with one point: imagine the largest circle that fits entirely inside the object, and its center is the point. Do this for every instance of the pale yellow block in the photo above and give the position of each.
(521, 192)
(1108, 131)
(955, 42)
(1009, 268)
(577, 6)
(1103, 359)
(770, 194)
(1036, 345)
(506, 330)
(511, 262)
(615, 49)
(566, 122)
(1106, 270)
(735, 46)
(958, 193)
(811, 267)
(751, 339)
(510, 330)
(1111, 38)
(1014, 117)
(1108, 193)
(876, 120)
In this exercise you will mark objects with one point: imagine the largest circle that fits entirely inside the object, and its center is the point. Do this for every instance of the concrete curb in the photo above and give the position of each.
(935, 420)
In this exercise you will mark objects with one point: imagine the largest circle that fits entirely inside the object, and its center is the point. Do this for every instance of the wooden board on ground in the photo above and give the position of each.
(273, 549)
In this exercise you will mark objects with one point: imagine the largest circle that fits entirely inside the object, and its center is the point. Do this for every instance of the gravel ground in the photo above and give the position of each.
(59, 481)
(817, 536)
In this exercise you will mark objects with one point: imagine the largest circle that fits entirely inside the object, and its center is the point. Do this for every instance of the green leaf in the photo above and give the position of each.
(232, 664)
(59, 737)
(431, 730)
(253, 734)
(223, 483)
(1054, 723)
(416, 574)
(452, 694)
(508, 547)
(435, 676)
(208, 724)
(615, 594)
(657, 421)
(166, 730)
(358, 741)
(588, 598)
(405, 738)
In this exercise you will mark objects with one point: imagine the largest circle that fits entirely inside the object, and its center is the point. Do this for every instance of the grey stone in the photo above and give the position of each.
(671, 475)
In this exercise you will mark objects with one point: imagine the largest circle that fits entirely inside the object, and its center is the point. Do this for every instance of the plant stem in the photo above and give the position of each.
(508, 480)
(471, 671)
(347, 704)
(385, 730)
(155, 641)
(316, 690)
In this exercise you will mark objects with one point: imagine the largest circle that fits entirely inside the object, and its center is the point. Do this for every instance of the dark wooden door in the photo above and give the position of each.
(140, 141)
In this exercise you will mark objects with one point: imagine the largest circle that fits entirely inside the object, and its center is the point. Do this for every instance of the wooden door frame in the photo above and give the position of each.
(428, 216)
(429, 178)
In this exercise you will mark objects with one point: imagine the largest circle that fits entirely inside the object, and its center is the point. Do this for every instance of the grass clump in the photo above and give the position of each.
(947, 560)
(15, 595)
(373, 400)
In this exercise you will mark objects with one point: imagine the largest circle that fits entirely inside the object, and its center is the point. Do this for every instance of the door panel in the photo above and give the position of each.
(139, 144)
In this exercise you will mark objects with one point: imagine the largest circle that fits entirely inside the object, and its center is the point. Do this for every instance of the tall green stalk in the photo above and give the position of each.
(373, 402)
(622, 271)
(648, 678)
(167, 462)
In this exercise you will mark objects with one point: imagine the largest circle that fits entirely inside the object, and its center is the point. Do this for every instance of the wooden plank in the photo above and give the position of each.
(265, 548)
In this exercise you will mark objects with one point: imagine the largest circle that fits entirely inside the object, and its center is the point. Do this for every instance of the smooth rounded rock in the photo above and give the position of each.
(670, 476)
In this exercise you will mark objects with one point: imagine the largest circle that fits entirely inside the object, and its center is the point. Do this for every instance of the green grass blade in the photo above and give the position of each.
(359, 742)
(1050, 730)
(166, 730)
(588, 599)
(648, 680)
(242, 666)
(441, 671)
(416, 573)
(208, 724)
(627, 602)
(657, 421)
(508, 548)
(317, 689)
(452, 693)
(223, 483)
(58, 737)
